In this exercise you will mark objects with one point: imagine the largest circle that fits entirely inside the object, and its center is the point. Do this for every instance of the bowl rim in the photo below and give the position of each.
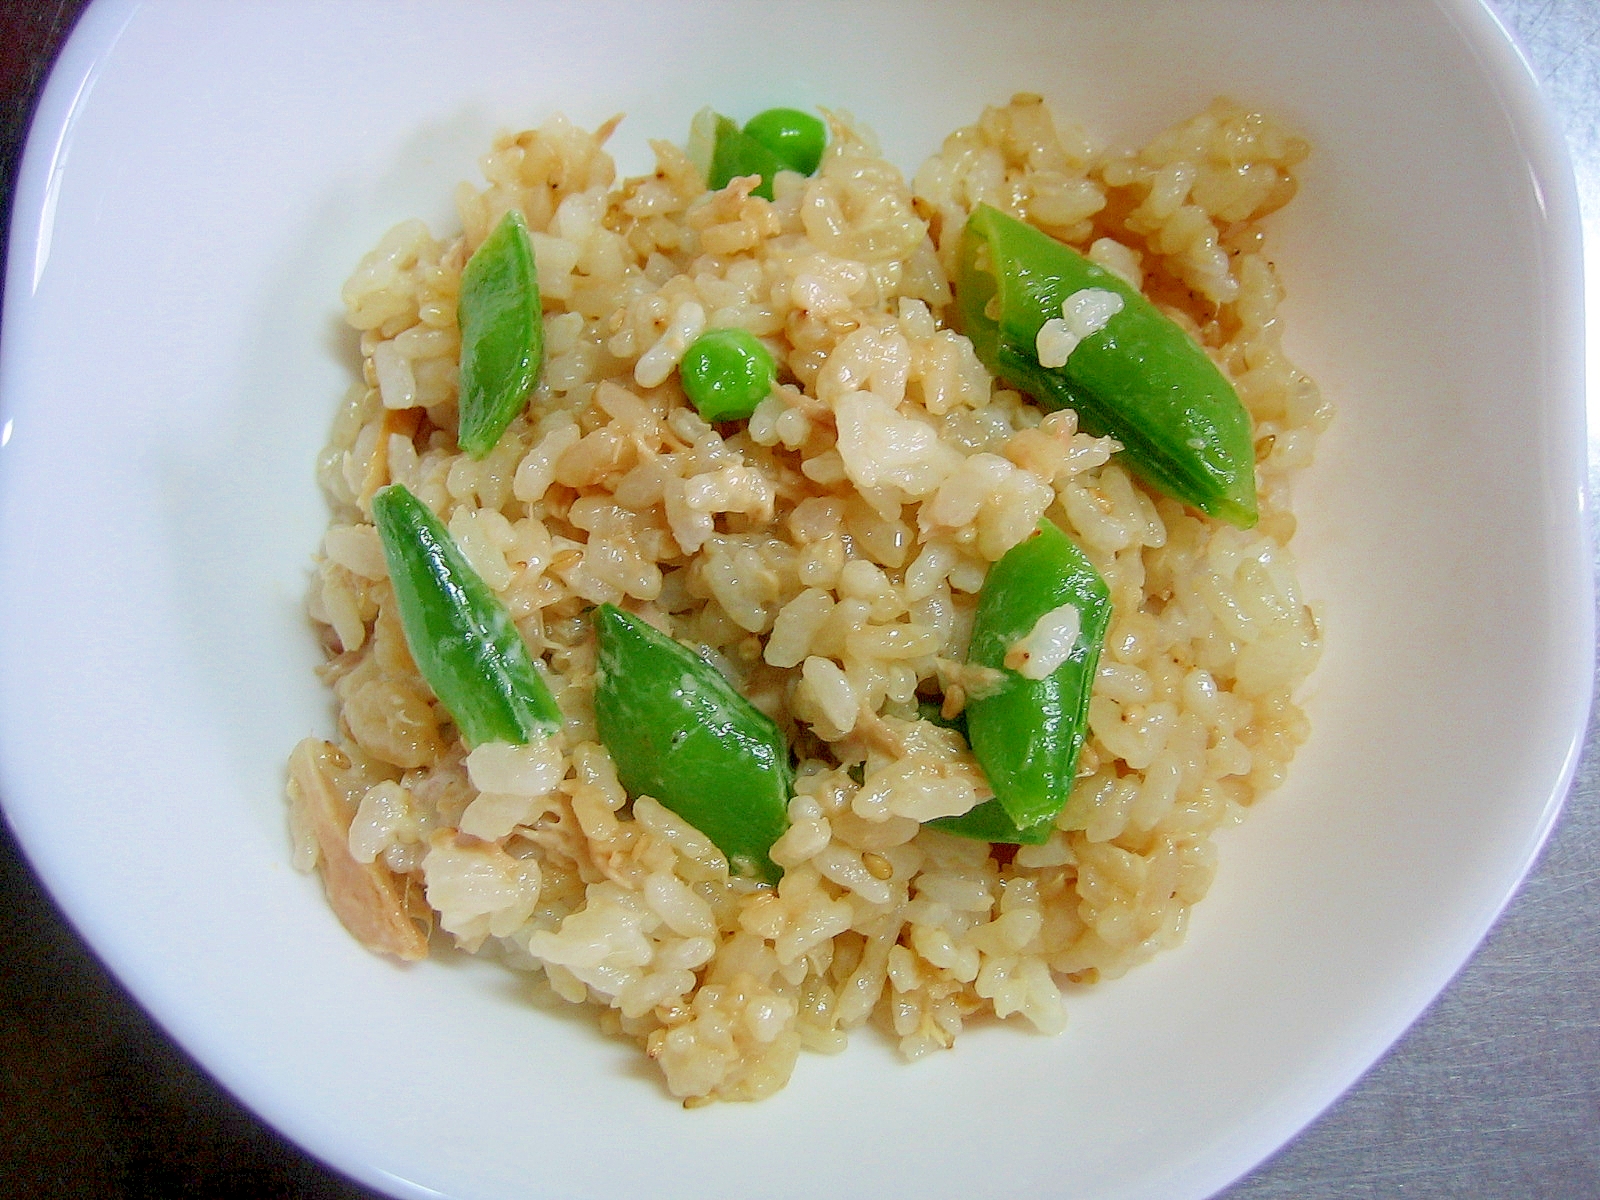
(94, 42)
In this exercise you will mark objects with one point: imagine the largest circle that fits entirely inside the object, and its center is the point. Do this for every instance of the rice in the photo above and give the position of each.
(825, 556)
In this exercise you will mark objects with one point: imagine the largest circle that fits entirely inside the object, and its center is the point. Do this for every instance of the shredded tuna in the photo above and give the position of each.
(405, 422)
(365, 896)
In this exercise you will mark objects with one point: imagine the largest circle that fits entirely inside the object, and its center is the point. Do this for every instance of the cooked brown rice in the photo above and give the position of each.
(826, 556)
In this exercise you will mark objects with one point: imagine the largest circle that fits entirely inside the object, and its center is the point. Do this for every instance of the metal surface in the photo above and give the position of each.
(1494, 1093)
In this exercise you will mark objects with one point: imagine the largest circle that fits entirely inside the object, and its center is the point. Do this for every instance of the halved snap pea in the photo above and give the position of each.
(988, 822)
(1027, 733)
(1140, 378)
(735, 154)
(459, 634)
(502, 334)
(678, 731)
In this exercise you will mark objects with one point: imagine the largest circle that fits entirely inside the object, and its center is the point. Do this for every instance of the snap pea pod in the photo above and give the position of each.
(988, 822)
(1141, 378)
(1026, 734)
(725, 152)
(459, 633)
(678, 731)
(502, 334)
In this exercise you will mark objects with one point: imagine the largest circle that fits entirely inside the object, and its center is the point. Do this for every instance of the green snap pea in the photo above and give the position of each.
(988, 822)
(726, 373)
(678, 731)
(1027, 733)
(797, 138)
(735, 154)
(1141, 378)
(459, 633)
(502, 334)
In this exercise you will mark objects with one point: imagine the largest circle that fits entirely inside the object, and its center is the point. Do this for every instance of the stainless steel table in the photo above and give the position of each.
(1493, 1095)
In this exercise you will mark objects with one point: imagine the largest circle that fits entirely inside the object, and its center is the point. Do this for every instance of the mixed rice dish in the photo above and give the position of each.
(907, 689)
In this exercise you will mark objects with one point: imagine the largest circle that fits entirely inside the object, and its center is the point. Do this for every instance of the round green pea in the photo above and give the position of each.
(796, 138)
(726, 373)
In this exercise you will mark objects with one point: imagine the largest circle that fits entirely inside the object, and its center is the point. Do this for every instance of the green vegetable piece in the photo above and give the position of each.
(678, 731)
(502, 334)
(990, 822)
(797, 138)
(736, 154)
(459, 633)
(1141, 379)
(1027, 733)
(726, 373)
(780, 139)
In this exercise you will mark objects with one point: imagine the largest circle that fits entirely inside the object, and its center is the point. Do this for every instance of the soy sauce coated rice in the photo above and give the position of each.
(826, 556)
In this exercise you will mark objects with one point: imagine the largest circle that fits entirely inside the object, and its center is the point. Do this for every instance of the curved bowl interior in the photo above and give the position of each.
(200, 180)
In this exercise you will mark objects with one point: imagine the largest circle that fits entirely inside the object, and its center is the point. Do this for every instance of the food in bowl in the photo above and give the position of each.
(767, 596)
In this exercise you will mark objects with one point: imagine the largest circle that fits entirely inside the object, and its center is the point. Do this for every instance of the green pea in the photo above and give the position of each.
(460, 635)
(726, 373)
(502, 334)
(796, 138)
(1027, 733)
(678, 731)
(1141, 379)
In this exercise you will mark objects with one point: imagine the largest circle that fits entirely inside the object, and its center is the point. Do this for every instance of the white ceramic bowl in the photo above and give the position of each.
(200, 179)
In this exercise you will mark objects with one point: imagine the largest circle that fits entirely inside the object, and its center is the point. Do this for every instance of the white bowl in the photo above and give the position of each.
(200, 179)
